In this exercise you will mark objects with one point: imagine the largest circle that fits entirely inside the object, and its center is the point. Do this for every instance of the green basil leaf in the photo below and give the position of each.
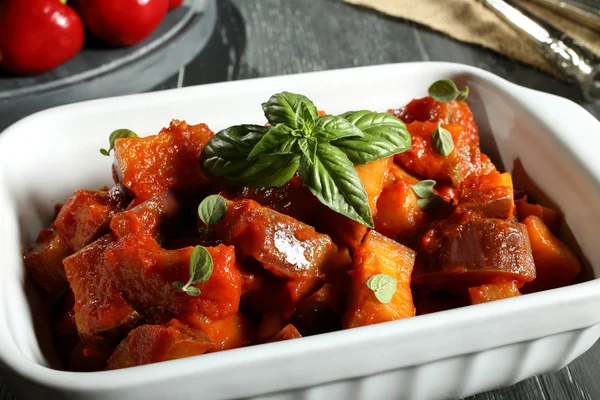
(308, 146)
(383, 286)
(331, 177)
(277, 140)
(283, 108)
(212, 210)
(201, 265)
(118, 134)
(277, 173)
(179, 286)
(225, 156)
(304, 118)
(192, 291)
(431, 204)
(235, 141)
(444, 91)
(441, 140)
(331, 127)
(384, 136)
(424, 189)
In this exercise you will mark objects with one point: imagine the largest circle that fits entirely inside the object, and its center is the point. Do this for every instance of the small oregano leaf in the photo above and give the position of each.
(441, 140)
(118, 134)
(201, 265)
(383, 286)
(444, 90)
(192, 291)
(212, 210)
(201, 268)
(424, 189)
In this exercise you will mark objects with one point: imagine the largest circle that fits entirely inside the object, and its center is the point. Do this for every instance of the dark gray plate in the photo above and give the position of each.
(99, 71)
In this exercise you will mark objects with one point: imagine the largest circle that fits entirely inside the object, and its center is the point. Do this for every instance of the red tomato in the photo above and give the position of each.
(174, 4)
(38, 35)
(122, 23)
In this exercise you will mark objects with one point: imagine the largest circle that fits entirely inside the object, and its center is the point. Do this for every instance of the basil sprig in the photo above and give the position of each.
(201, 268)
(322, 149)
(445, 91)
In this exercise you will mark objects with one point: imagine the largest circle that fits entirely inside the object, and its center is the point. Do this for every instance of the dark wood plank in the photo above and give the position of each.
(290, 36)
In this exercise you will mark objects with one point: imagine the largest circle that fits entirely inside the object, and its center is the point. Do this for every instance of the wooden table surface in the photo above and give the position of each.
(278, 37)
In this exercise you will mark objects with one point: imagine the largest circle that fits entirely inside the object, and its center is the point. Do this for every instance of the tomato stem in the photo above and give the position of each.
(63, 1)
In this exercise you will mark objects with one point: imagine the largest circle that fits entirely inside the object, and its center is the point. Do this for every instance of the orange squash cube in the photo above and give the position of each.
(550, 217)
(287, 333)
(493, 292)
(378, 254)
(555, 262)
(153, 343)
(150, 165)
(228, 333)
(373, 175)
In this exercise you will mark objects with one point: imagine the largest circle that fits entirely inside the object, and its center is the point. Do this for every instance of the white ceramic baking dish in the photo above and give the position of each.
(553, 141)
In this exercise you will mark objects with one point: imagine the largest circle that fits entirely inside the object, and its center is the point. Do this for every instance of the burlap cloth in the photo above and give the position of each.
(470, 21)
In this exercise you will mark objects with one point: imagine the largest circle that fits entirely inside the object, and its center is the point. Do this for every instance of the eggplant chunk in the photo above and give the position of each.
(285, 246)
(147, 216)
(86, 215)
(100, 310)
(455, 256)
(43, 261)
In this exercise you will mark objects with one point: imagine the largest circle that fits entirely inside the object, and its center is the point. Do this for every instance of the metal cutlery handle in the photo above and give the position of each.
(583, 11)
(572, 60)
